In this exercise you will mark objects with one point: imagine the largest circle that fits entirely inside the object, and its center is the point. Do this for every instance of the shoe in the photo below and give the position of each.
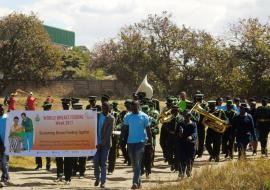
(181, 176)
(172, 168)
(147, 176)
(217, 159)
(59, 179)
(38, 168)
(102, 185)
(96, 183)
(67, 182)
(140, 186)
(199, 156)
(134, 186)
(210, 158)
(81, 177)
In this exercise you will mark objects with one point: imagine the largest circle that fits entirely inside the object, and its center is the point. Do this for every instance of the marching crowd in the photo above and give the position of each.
(187, 129)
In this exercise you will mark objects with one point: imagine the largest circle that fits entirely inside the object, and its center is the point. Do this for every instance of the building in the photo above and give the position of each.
(61, 37)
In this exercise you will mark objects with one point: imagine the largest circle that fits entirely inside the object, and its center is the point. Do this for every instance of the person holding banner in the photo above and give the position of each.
(27, 124)
(46, 107)
(64, 165)
(105, 126)
(4, 158)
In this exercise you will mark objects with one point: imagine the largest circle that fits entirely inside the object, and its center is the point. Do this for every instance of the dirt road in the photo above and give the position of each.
(120, 179)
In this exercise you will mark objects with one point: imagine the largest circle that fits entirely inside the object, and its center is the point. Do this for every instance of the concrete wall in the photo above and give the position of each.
(82, 88)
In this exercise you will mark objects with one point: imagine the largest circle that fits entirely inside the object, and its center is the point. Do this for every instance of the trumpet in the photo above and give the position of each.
(211, 120)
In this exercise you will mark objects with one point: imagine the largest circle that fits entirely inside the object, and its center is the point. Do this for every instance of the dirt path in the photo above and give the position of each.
(121, 178)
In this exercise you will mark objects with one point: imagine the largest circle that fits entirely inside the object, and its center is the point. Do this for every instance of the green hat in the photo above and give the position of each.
(47, 105)
(229, 102)
(145, 108)
(105, 97)
(211, 102)
(77, 106)
(114, 103)
(199, 95)
(92, 98)
(65, 100)
(170, 99)
(75, 100)
(128, 101)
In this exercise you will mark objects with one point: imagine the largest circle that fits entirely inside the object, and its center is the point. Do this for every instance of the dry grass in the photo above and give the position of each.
(245, 175)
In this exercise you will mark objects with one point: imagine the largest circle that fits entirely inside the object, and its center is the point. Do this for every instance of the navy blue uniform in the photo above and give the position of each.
(262, 115)
(185, 148)
(243, 127)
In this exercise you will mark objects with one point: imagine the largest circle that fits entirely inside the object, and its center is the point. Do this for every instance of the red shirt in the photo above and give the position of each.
(11, 104)
(30, 103)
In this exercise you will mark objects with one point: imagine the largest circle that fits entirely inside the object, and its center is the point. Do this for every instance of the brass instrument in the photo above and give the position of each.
(165, 116)
(210, 120)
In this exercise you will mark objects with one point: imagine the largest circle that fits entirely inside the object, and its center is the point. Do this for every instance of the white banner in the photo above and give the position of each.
(66, 133)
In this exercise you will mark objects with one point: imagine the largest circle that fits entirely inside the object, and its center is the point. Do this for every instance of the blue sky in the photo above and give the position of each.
(97, 20)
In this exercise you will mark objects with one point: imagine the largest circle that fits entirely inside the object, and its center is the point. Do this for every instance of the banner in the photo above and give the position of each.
(66, 133)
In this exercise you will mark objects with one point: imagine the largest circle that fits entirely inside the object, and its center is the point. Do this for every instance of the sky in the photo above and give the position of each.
(98, 20)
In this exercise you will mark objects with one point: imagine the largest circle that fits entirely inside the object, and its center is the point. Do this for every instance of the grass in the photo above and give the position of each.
(240, 175)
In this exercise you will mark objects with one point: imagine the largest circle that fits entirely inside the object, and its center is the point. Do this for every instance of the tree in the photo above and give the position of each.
(26, 51)
(251, 42)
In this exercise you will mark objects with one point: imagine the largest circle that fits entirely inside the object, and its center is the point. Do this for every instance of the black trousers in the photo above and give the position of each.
(64, 166)
(171, 149)
(113, 153)
(163, 141)
(185, 154)
(68, 162)
(263, 138)
(59, 166)
(201, 139)
(79, 165)
(146, 166)
(123, 146)
(39, 162)
(213, 143)
(228, 142)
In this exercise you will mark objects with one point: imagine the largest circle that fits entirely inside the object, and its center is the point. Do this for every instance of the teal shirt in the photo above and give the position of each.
(28, 125)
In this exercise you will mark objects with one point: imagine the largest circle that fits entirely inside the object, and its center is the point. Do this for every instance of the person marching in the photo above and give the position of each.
(171, 128)
(64, 165)
(92, 104)
(147, 159)
(183, 102)
(213, 138)
(115, 139)
(46, 107)
(123, 136)
(262, 116)
(79, 165)
(163, 140)
(186, 138)
(105, 126)
(243, 127)
(199, 98)
(252, 112)
(228, 137)
(137, 128)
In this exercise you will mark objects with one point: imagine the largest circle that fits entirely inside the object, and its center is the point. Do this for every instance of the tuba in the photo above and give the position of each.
(210, 120)
(146, 87)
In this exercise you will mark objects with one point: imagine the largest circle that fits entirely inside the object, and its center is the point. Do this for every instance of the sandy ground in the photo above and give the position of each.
(120, 179)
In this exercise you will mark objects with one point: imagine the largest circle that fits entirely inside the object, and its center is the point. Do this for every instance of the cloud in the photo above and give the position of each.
(95, 20)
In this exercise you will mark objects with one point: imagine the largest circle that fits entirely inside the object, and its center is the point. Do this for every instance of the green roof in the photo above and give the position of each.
(61, 36)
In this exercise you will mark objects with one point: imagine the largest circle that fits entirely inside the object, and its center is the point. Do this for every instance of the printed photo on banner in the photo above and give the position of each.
(51, 133)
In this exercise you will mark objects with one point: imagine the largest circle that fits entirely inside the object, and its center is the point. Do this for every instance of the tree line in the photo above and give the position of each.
(174, 57)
